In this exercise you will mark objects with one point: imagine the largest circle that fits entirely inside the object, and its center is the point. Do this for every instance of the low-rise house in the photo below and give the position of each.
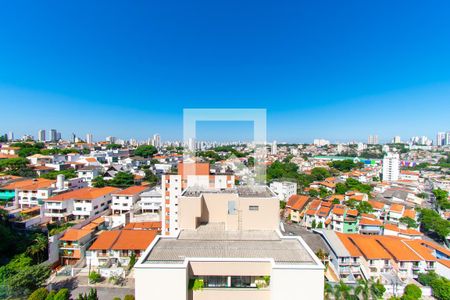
(374, 257)
(88, 173)
(151, 201)
(29, 192)
(125, 200)
(284, 189)
(117, 246)
(395, 213)
(144, 226)
(73, 245)
(402, 231)
(295, 206)
(82, 203)
(378, 208)
(370, 224)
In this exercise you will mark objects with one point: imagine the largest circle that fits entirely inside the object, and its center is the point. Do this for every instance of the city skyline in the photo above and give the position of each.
(317, 71)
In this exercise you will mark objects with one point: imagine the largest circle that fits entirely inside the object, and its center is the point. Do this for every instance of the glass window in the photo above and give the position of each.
(253, 207)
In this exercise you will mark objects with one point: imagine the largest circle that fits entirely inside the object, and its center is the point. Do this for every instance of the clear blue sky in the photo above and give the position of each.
(333, 69)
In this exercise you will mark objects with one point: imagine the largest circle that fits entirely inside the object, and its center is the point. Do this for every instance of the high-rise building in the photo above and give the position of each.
(189, 174)
(372, 140)
(442, 138)
(41, 135)
(53, 135)
(10, 136)
(111, 139)
(229, 243)
(58, 136)
(89, 138)
(321, 142)
(274, 148)
(391, 166)
(396, 140)
(156, 140)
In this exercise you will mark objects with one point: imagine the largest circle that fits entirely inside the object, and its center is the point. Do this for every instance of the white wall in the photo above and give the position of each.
(305, 283)
(161, 283)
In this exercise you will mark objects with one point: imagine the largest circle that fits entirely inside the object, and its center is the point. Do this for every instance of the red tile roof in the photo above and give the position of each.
(87, 193)
(132, 190)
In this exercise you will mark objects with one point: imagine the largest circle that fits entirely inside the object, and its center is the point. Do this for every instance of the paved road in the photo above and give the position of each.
(78, 285)
(104, 293)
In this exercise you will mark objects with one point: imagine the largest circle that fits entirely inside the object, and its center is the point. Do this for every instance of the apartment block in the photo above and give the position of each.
(228, 247)
(188, 175)
(80, 204)
(125, 200)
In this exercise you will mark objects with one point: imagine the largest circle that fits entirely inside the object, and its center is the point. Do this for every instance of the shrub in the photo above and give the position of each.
(94, 277)
(128, 297)
(39, 294)
(51, 295)
(117, 298)
(196, 284)
(412, 291)
(63, 294)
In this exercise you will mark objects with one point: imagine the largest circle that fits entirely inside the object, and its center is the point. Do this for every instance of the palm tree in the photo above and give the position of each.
(363, 288)
(39, 247)
(328, 291)
(342, 291)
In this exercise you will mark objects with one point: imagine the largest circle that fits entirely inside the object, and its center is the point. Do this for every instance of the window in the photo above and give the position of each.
(253, 207)
(232, 207)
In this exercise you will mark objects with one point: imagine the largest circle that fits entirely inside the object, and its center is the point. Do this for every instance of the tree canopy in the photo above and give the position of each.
(145, 151)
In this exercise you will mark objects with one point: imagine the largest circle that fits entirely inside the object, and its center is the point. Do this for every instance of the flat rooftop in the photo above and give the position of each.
(242, 191)
(212, 242)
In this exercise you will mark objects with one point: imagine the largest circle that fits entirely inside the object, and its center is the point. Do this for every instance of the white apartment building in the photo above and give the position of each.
(151, 201)
(35, 192)
(125, 200)
(391, 167)
(284, 189)
(81, 204)
(189, 175)
(88, 173)
(230, 247)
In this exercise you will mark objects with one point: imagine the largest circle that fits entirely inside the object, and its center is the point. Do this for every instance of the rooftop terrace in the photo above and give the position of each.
(242, 191)
(211, 241)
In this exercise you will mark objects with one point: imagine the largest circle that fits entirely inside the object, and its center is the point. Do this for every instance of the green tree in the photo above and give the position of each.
(320, 226)
(63, 294)
(313, 224)
(342, 291)
(313, 193)
(377, 290)
(251, 162)
(344, 165)
(113, 146)
(39, 294)
(431, 221)
(150, 177)
(145, 151)
(16, 166)
(39, 248)
(364, 207)
(328, 291)
(99, 182)
(26, 280)
(128, 297)
(68, 174)
(122, 180)
(412, 291)
(320, 173)
(442, 199)
(51, 295)
(341, 188)
(363, 289)
(132, 261)
(409, 222)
